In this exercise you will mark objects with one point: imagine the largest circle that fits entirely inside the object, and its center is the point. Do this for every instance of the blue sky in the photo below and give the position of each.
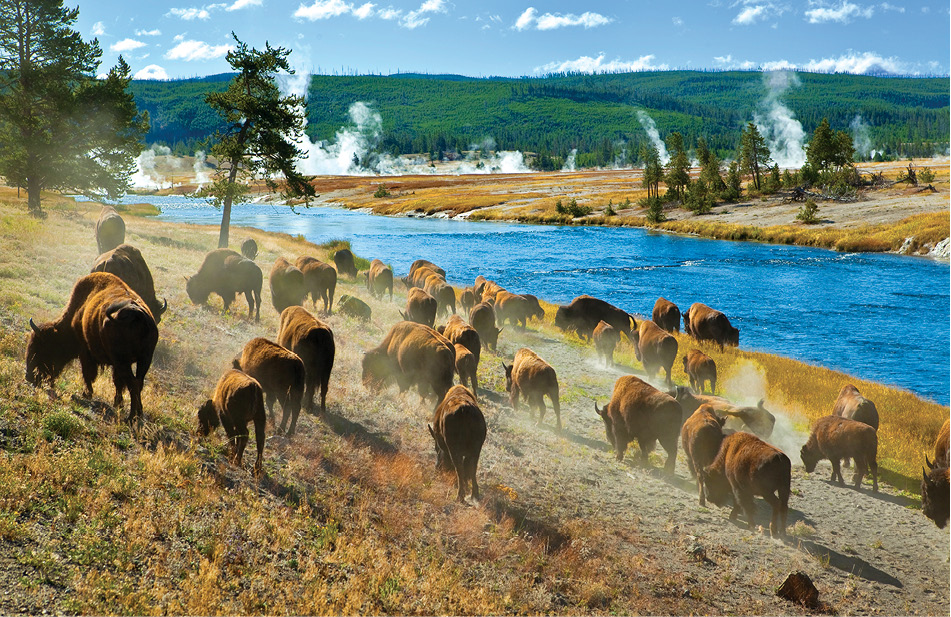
(182, 38)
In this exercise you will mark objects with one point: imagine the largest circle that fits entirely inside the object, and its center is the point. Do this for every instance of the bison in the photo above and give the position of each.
(655, 349)
(706, 324)
(105, 323)
(287, 285)
(637, 410)
(851, 404)
(666, 315)
(238, 400)
(343, 260)
(458, 331)
(413, 354)
(935, 494)
(281, 374)
(486, 289)
(746, 466)
(467, 367)
(584, 313)
(380, 279)
(354, 307)
(606, 338)
(535, 308)
(445, 295)
(467, 300)
(532, 378)
(701, 435)
(700, 369)
(110, 229)
(320, 280)
(249, 248)
(756, 419)
(313, 341)
(482, 318)
(941, 453)
(126, 262)
(420, 307)
(835, 438)
(422, 263)
(459, 431)
(227, 273)
(513, 308)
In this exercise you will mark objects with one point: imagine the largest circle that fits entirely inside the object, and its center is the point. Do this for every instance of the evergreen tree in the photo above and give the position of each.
(263, 129)
(653, 172)
(677, 175)
(709, 167)
(734, 183)
(754, 154)
(60, 127)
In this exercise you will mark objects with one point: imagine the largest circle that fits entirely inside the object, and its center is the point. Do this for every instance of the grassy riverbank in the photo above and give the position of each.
(348, 516)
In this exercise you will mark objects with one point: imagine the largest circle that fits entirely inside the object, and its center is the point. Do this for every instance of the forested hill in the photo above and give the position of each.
(595, 114)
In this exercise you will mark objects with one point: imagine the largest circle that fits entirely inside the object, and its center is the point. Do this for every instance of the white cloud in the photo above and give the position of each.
(323, 9)
(389, 14)
(197, 50)
(552, 21)
(843, 13)
(526, 19)
(754, 11)
(415, 19)
(677, 21)
(152, 71)
(155, 32)
(364, 10)
(243, 4)
(189, 14)
(851, 62)
(587, 64)
(98, 28)
(750, 15)
(891, 7)
(126, 45)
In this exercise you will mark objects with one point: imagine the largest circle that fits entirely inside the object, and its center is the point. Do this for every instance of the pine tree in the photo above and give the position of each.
(677, 175)
(754, 155)
(653, 172)
(734, 183)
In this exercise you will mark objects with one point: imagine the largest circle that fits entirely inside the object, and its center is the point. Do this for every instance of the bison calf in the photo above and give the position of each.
(459, 431)
(313, 341)
(606, 338)
(238, 401)
(281, 374)
(532, 378)
(835, 438)
(701, 436)
(746, 466)
(666, 315)
(482, 319)
(700, 369)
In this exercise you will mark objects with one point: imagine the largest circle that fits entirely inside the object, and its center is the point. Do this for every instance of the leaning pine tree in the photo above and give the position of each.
(264, 129)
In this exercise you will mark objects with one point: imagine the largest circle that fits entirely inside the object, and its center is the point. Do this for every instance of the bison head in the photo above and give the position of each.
(48, 351)
(375, 368)
(207, 418)
(443, 462)
(716, 488)
(733, 337)
(608, 423)
(810, 457)
(934, 494)
(686, 317)
(561, 318)
(492, 336)
(196, 291)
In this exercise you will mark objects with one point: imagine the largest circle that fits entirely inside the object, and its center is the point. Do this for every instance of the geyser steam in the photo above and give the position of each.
(777, 123)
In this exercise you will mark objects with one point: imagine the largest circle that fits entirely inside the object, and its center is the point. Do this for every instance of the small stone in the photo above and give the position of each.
(798, 587)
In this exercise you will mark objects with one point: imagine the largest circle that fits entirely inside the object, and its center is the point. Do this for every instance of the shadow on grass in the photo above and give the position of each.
(358, 434)
(500, 508)
(850, 564)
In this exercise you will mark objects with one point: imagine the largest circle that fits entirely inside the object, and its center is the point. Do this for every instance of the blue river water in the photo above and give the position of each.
(876, 316)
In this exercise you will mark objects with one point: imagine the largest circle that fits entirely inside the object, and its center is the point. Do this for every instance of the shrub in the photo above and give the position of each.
(808, 213)
(64, 424)
(655, 209)
(926, 175)
(609, 210)
(572, 209)
(381, 192)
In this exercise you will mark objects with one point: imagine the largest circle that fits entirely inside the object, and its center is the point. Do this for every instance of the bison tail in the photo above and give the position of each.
(236, 363)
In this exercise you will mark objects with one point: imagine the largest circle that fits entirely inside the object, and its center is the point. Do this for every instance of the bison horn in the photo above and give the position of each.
(929, 463)
(164, 306)
(600, 412)
(33, 325)
(430, 427)
(925, 478)
(760, 404)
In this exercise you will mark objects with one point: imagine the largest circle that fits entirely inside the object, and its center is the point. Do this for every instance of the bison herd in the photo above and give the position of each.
(112, 314)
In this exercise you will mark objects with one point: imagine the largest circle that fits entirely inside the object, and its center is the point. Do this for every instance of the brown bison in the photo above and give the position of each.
(513, 308)
(701, 435)
(606, 338)
(287, 285)
(584, 313)
(126, 262)
(459, 431)
(417, 277)
(746, 466)
(110, 229)
(655, 349)
(343, 260)
(482, 318)
(380, 279)
(755, 419)
(666, 315)
(458, 331)
(467, 367)
(227, 273)
(486, 289)
(637, 410)
(941, 453)
(834, 438)
(420, 307)
(320, 280)
(422, 263)
(700, 369)
(935, 489)
(445, 295)
(354, 307)
(851, 404)
(535, 308)
(533, 379)
(413, 354)
(281, 374)
(238, 400)
(467, 300)
(313, 341)
(249, 248)
(104, 323)
(706, 324)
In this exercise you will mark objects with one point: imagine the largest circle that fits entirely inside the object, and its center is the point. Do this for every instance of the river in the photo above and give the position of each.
(880, 317)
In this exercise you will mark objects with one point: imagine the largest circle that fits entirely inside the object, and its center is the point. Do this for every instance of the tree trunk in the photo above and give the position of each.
(33, 196)
(226, 208)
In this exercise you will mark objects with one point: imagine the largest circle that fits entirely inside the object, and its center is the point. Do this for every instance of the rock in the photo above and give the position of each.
(906, 246)
(941, 249)
(798, 588)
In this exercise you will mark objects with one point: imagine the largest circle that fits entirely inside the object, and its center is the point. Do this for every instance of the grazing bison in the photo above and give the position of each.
(287, 285)
(238, 400)
(638, 410)
(482, 318)
(413, 354)
(706, 324)
(700, 369)
(104, 323)
(320, 280)
(445, 296)
(746, 466)
(226, 273)
(701, 435)
(422, 263)
(313, 341)
(535, 308)
(459, 431)
(420, 307)
(110, 229)
(935, 494)
(941, 453)
(835, 438)
(126, 262)
(380, 279)
(606, 338)
(666, 315)
(458, 331)
(467, 367)
(756, 419)
(281, 374)
(249, 248)
(354, 307)
(851, 404)
(467, 300)
(655, 349)
(533, 379)
(513, 308)
(584, 313)
(343, 260)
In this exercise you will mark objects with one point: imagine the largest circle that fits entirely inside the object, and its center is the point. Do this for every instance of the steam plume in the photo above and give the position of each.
(651, 127)
(777, 123)
(860, 136)
(570, 164)
(146, 176)
(201, 172)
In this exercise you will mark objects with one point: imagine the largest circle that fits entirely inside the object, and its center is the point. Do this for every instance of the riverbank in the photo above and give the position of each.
(349, 517)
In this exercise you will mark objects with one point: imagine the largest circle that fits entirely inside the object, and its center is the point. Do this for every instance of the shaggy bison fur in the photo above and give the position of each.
(532, 378)
(227, 273)
(380, 279)
(700, 369)
(666, 315)
(482, 318)
(126, 262)
(459, 430)
(281, 374)
(706, 324)
(110, 229)
(606, 338)
(701, 435)
(345, 264)
(835, 438)
(420, 307)
(414, 355)
(238, 401)
(655, 349)
(313, 341)
(287, 285)
(320, 280)
(584, 313)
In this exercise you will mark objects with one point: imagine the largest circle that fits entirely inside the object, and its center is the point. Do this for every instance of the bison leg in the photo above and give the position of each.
(861, 468)
(90, 371)
(323, 393)
(669, 382)
(873, 466)
(295, 412)
(837, 472)
(459, 465)
(670, 447)
(556, 406)
(309, 389)
(777, 510)
(745, 499)
(259, 437)
(513, 398)
(647, 446)
(270, 406)
(238, 443)
(472, 463)
(537, 401)
(620, 445)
